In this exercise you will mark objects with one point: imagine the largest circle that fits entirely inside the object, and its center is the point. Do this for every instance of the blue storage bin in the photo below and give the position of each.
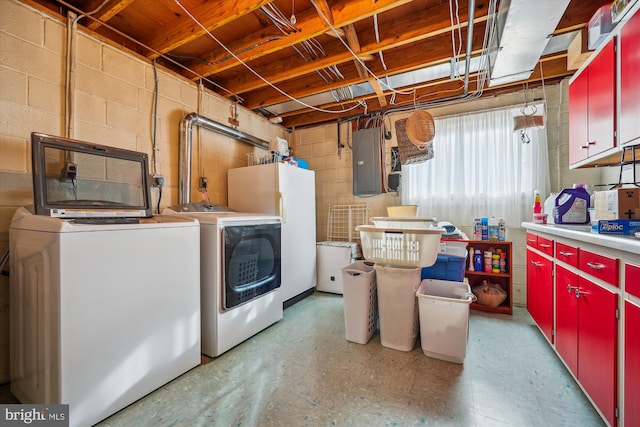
(446, 267)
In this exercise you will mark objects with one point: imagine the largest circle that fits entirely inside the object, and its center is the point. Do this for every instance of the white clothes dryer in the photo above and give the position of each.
(101, 314)
(240, 273)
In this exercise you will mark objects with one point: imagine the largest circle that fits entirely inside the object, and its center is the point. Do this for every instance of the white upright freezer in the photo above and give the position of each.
(287, 191)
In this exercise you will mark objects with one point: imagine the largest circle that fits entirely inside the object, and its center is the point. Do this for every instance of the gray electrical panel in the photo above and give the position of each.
(367, 162)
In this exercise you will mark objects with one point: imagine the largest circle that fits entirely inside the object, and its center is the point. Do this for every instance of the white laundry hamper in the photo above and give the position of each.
(360, 302)
(444, 318)
(398, 308)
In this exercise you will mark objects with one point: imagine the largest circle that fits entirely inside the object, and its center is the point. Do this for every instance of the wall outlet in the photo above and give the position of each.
(157, 180)
(203, 183)
(69, 170)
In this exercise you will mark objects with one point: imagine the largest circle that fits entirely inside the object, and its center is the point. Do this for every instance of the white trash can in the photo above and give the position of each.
(444, 318)
(360, 301)
(397, 305)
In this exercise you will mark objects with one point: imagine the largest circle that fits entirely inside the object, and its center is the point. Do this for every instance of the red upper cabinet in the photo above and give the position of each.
(592, 101)
(578, 118)
(602, 100)
(629, 82)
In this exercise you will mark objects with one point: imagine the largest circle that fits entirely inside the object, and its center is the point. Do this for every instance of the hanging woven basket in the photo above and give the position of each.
(420, 128)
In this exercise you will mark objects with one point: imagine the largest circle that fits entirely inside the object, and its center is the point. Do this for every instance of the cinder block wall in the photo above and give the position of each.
(113, 99)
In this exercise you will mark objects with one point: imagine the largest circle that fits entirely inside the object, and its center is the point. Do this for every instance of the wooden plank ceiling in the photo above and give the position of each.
(264, 54)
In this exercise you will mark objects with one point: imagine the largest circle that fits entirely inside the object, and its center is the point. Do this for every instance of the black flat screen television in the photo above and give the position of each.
(79, 180)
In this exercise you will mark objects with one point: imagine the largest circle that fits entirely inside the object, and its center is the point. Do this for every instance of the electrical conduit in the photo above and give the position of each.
(186, 141)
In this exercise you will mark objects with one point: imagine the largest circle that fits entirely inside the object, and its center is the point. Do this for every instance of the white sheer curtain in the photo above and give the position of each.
(481, 168)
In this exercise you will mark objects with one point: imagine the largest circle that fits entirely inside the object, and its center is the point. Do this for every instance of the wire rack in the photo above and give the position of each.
(262, 159)
(343, 220)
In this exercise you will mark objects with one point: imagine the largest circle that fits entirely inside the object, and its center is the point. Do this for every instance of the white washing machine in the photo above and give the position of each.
(101, 314)
(240, 273)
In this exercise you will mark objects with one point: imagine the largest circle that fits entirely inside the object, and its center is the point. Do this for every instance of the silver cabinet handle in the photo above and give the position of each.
(536, 264)
(565, 253)
(581, 293)
(584, 147)
(545, 245)
(595, 266)
(570, 288)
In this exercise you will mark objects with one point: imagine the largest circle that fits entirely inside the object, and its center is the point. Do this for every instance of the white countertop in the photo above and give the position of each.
(582, 233)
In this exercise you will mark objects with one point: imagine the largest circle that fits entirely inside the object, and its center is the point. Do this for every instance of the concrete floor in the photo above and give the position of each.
(302, 372)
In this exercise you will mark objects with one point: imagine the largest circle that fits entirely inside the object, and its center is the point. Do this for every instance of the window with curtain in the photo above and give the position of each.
(480, 168)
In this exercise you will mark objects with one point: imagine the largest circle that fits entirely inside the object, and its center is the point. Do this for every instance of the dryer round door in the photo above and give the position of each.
(251, 262)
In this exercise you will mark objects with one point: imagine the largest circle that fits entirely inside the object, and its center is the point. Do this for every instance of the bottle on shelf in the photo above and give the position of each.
(488, 261)
(477, 259)
(493, 229)
(502, 230)
(471, 259)
(495, 263)
(477, 229)
(485, 228)
(503, 262)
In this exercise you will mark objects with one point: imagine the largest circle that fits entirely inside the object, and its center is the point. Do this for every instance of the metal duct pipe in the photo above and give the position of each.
(471, 16)
(186, 141)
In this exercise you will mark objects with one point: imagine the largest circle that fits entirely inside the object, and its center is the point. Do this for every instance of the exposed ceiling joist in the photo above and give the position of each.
(354, 44)
(411, 46)
(405, 58)
(182, 29)
(104, 12)
(310, 23)
(406, 31)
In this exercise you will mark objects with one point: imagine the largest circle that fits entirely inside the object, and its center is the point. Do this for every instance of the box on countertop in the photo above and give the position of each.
(621, 203)
(619, 226)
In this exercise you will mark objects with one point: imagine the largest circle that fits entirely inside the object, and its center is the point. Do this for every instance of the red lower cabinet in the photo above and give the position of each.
(597, 345)
(631, 364)
(540, 292)
(578, 310)
(586, 337)
(567, 317)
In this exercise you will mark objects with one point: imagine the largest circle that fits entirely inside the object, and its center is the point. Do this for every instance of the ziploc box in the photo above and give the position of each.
(618, 226)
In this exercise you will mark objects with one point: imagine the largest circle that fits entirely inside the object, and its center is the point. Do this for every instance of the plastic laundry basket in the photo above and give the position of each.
(398, 309)
(444, 318)
(360, 302)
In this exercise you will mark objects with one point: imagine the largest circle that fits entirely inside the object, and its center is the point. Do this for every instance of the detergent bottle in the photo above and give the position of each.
(572, 206)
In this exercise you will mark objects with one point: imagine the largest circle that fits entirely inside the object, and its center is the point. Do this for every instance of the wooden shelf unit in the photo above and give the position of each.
(505, 280)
